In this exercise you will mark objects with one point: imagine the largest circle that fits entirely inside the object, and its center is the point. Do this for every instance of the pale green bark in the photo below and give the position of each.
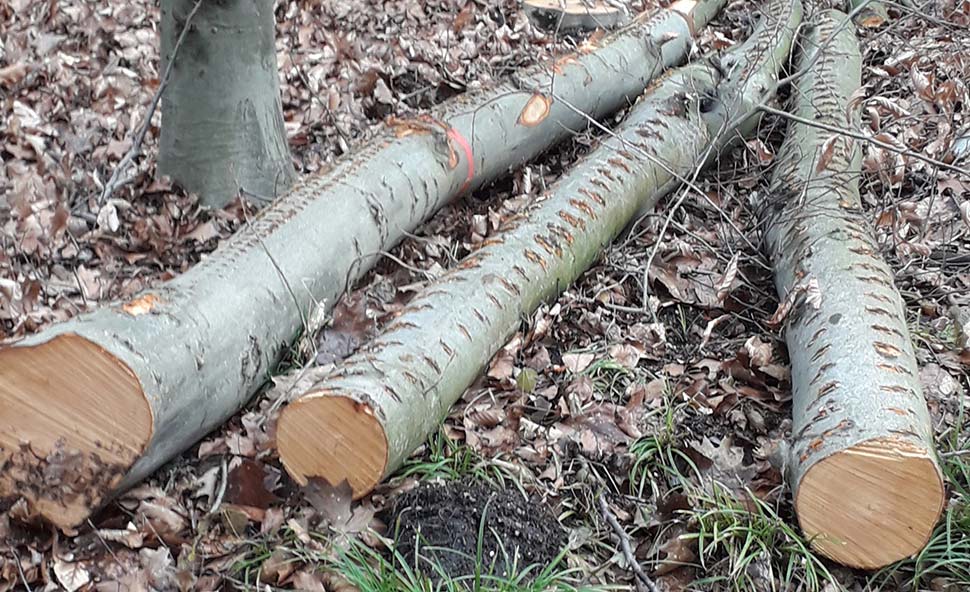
(222, 121)
(214, 333)
(425, 359)
(854, 373)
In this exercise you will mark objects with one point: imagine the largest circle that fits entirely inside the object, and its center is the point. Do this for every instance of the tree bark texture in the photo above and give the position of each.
(222, 120)
(360, 422)
(178, 360)
(868, 490)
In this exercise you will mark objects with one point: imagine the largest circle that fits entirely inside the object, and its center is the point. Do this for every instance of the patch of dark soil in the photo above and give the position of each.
(682, 322)
(442, 524)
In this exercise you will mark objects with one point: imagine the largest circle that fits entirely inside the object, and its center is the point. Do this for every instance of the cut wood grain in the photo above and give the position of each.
(363, 420)
(180, 359)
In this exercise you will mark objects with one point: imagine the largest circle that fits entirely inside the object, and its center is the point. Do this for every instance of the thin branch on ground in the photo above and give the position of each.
(955, 453)
(20, 570)
(272, 260)
(625, 546)
(860, 136)
(117, 180)
(222, 489)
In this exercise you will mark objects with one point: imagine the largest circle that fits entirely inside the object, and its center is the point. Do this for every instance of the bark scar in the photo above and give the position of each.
(535, 111)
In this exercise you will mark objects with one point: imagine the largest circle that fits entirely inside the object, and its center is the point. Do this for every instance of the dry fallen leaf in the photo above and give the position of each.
(130, 536)
(759, 352)
(502, 366)
(576, 363)
(332, 502)
(12, 74)
(72, 576)
(247, 485)
(826, 154)
(761, 150)
(308, 581)
(806, 288)
(625, 355)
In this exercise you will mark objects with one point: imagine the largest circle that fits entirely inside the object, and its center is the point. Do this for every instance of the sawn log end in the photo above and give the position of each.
(73, 420)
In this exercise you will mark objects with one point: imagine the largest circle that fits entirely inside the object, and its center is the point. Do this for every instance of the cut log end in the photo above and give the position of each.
(73, 420)
(585, 15)
(334, 438)
(595, 8)
(889, 497)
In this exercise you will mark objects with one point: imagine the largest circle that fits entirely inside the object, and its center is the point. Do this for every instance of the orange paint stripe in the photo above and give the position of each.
(469, 157)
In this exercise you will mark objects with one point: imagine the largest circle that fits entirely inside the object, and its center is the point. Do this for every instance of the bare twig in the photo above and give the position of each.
(222, 489)
(286, 282)
(860, 136)
(117, 180)
(955, 453)
(625, 545)
(20, 570)
(104, 543)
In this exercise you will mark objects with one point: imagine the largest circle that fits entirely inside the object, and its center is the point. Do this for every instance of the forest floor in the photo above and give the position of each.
(655, 406)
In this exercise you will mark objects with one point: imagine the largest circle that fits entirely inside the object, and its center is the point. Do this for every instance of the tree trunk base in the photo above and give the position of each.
(222, 120)
(573, 15)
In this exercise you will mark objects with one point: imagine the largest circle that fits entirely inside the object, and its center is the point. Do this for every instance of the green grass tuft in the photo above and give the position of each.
(447, 460)
(372, 571)
(750, 547)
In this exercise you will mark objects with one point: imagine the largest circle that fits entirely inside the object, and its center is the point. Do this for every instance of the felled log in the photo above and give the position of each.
(360, 422)
(91, 406)
(868, 490)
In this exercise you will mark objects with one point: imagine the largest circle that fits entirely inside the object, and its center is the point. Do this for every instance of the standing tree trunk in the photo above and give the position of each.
(362, 421)
(868, 490)
(91, 406)
(222, 121)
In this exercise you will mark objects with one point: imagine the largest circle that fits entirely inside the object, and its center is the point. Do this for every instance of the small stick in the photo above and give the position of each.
(222, 489)
(859, 136)
(115, 181)
(625, 545)
(20, 570)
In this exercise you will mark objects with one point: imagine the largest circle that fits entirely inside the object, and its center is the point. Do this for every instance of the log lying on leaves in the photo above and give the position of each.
(359, 423)
(868, 489)
(91, 406)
